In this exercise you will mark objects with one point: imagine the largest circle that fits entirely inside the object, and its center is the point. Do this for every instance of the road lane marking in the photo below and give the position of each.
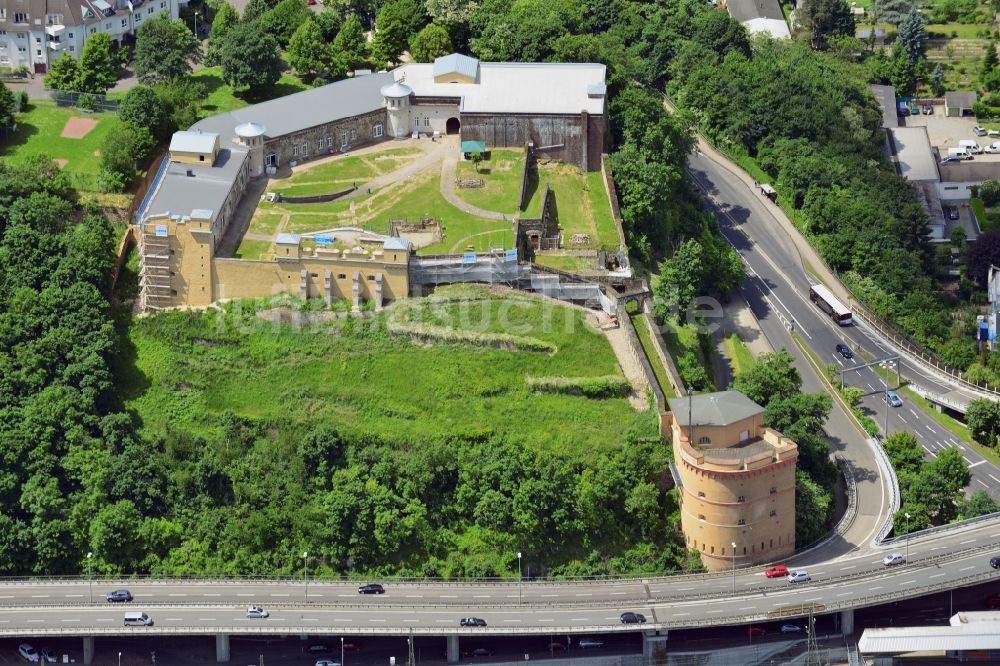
(377, 620)
(480, 596)
(915, 415)
(584, 594)
(875, 588)
(211, 594)
(909, 582)
(349, 619)
(6, 596)
(985, 485)
(71, 596)
(351, 596)
(578, 619)
(933, 431)
(744, 608)
(523, 620)
(175, 619)
(414, 596)
(684, 589)
(279, 594)
(928, 450)
(206, 619)
(813, 599)
(310, 619)
(967, 461)
(962, 543)
(176, 594)
(971, 465)
(994, 478)
(244, 594)
(937, 575)
(39, 596)
(449, 596)
(853, 566)
(554, 595)
(143, 595)
(548, 619)
(108, 619)
(708, 611)
(70, 619)
(617, 593)
(965, 569)
(844, 594)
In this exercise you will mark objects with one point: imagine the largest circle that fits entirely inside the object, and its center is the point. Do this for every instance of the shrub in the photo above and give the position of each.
(608, 386)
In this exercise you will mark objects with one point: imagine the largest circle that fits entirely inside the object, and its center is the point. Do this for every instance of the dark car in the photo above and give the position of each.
(756, 631)
(993, 601)
(928, 110)
(844, 350)
(318, 648)
(481, 652)
(473, 622)
(952, 213)
(119, 595)
(351, 647)
(633, 618)
(371, 588)
(995, 562)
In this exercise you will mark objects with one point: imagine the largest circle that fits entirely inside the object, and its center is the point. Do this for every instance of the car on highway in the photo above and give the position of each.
(893, 559)
(995, 561)
(121, 595)
(472, 622)
(777, 571)
(318, 648)
(844, 350)
(992, 602)
(257, 612)
(892, 398)
(371, 588)
(799, 577)
(754, 632)
(557, 647)
(790, 628)
(481, 652)
(327, 662)
(351, 646)
(27, 653)
(49, 656)
(591, 643)
(633, 618)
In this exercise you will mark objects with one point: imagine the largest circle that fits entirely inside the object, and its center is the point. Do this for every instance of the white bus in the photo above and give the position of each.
(830, 304)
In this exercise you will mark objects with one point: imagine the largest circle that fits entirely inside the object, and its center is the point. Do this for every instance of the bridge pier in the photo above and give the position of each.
(88, 650)
(847, 621)
(654, 645)
(453, 649)
(222, 648)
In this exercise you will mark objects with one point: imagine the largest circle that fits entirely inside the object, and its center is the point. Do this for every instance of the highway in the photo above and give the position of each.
(777, 292)
(938, 560)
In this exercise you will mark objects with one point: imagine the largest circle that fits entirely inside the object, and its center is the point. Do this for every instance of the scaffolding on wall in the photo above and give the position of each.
(154, 268)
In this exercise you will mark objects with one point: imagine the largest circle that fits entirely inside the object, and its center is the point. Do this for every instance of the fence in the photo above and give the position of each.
(146, 189)
(86, 101)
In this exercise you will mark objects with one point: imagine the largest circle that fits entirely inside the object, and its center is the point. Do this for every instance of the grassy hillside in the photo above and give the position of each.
(363, 378)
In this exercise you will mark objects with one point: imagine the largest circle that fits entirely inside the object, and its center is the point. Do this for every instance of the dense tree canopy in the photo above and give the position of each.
(250, 58)
(97, 70)
(164, 49)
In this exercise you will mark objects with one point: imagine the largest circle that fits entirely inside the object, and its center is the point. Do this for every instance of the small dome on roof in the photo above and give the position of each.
(395, 90)
(250, 130)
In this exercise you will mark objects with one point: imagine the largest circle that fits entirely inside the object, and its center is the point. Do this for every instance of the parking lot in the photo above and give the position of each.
(945, 132)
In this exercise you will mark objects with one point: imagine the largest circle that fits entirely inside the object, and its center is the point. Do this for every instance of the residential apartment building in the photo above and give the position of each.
(34, 33)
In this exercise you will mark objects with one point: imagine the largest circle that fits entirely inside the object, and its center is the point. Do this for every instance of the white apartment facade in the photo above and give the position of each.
(34, 33)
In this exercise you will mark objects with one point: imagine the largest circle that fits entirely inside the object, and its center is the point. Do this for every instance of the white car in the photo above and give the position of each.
(790, 628)
(894, 558)
(27, 653)
(49, 656)
(979, 130)
(327, 662)
(257, 612)
(993, 147)
(798, 577)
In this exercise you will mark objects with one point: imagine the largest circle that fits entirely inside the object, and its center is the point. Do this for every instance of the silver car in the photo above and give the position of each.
(893, 559)
(798, 577)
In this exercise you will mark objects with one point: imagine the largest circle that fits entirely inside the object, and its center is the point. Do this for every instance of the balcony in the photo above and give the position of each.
(54, 45)
(55, 30)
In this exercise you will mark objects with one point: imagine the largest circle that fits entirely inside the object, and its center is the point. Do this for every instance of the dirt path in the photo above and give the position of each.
(631, 368)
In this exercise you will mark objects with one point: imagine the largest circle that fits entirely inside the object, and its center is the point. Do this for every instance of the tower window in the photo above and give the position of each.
(704, 440)
(772, 514)
(774, 490)
(741, 521)
(741, 498)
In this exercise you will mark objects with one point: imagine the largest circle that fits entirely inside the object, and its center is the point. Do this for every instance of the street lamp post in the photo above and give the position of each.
(305, 572)
(887, 366)
(196, 24)
(90, 577)
(341, 651)
(907, 556)
(518, 578)
(119, 659)
(734, 566)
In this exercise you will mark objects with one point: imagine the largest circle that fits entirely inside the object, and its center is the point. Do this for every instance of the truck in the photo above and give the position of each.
(961, 153)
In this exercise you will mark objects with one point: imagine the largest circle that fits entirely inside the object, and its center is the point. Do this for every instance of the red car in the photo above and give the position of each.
(756, 631)
(777, 571)
(993, 601)
(352, 647)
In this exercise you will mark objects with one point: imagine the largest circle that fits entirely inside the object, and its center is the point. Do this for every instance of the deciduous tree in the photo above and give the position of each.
(250, 58)
(164, 49)
(97, 68)
(826, 19)
(282, 21)
(307, 53)
(225, 20)
(430, 43)
(983, 419)
(63, 73)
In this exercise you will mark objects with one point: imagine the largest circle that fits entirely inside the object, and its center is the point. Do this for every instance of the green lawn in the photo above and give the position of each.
(739, 354)
(265, 223)
(254, 249)
(339, 173)
(959, 30)
(581, 202)
(501, 174)
(39, 130)
(221, 98)
(571, 263)
(189, 370)
(648, 346)
(418, 198)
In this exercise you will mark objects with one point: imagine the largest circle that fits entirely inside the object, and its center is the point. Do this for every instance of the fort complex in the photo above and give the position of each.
(559, 108)
(736, 480)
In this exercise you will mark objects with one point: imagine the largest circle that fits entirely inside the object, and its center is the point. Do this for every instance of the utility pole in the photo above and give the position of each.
(812, 649)
(412, 661)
